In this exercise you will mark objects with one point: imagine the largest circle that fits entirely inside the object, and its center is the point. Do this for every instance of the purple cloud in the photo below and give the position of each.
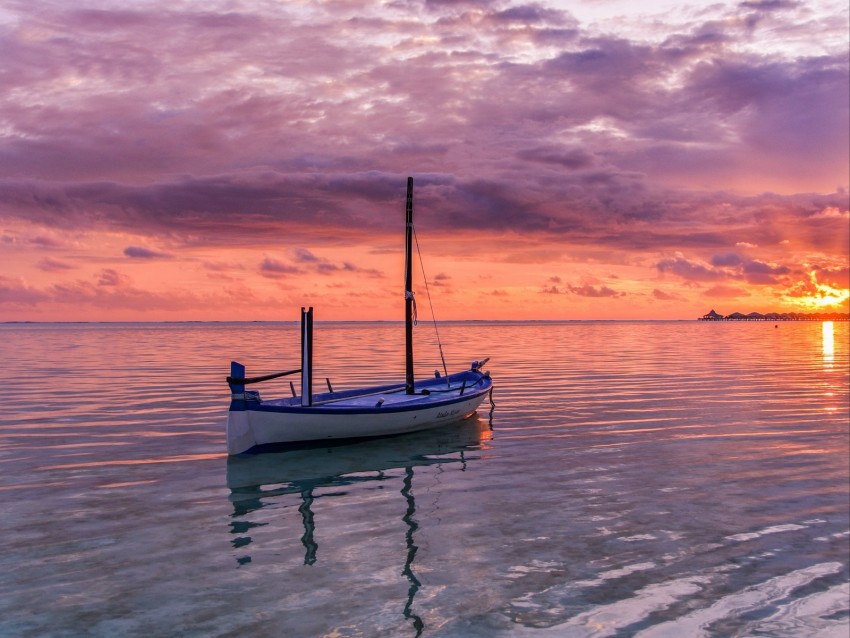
(663, 296)
(725, 266)
(112, 278)
(275, 268)
(138, 252)
(14, 292)
(759, 272)
(726, 259)
(689, 270)
(304, 256)
(54, 265)
(592, 291)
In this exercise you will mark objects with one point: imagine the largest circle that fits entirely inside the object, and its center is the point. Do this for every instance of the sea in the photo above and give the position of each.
(652, 479)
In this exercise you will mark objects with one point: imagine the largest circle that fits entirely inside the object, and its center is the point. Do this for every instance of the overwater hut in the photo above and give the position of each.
(711, 316)
(776, 316)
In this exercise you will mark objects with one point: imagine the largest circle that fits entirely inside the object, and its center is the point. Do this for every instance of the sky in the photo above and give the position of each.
(590, 159)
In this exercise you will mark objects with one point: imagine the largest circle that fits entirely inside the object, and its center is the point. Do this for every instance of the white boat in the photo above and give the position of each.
(381, 410)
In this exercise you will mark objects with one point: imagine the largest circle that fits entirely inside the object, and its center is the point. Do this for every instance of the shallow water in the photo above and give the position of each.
(634, 479)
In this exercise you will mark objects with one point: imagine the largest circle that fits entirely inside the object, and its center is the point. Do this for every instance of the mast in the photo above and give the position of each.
(408, 289)
(306, 357)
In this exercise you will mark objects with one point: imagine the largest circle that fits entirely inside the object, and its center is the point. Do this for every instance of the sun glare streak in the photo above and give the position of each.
(828, 342)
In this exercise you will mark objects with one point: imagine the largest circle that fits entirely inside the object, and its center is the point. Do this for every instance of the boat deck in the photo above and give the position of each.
(390, 395)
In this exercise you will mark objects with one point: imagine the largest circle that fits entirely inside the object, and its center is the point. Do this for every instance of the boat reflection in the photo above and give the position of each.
(262, 479)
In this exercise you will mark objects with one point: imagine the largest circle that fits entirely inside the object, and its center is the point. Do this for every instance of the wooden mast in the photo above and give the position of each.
(408, 289)
(306, 357)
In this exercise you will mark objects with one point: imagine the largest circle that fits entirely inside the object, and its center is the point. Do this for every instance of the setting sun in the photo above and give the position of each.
(819, 296)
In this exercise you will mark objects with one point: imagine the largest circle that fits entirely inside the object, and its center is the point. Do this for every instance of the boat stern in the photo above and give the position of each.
(240, 436)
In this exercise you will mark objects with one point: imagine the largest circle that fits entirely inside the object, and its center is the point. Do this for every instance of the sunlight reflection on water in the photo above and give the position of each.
(828, 342)
(636, 478)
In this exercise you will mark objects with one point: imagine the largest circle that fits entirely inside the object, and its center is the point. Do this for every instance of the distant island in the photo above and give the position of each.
(777, 316)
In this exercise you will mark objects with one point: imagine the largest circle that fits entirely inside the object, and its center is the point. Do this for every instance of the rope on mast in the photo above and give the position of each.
(428, 293)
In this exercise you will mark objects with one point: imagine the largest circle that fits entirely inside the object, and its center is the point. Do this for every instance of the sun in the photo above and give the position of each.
(814, 295)
(829, 296)
(833, 297)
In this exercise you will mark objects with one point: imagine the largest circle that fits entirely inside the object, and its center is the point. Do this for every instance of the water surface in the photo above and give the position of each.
(634, 479)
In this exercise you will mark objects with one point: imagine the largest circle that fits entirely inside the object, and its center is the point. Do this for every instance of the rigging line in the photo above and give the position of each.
(428, 293)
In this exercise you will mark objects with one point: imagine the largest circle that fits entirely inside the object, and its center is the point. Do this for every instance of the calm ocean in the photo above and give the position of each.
(634, 479)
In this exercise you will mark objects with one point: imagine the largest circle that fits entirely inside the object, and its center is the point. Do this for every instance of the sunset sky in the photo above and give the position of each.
(584, 159)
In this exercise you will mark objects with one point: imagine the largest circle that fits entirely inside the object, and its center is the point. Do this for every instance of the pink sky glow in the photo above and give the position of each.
(239, 159)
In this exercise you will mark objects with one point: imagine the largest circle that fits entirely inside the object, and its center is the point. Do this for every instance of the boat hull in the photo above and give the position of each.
(369, 412)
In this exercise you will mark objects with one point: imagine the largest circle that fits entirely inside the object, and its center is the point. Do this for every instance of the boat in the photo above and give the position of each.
(376, 411)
